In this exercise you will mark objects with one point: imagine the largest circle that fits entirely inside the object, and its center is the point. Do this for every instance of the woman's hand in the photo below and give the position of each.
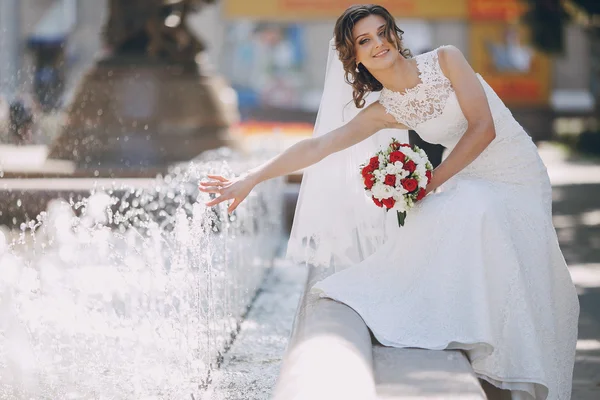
(432, 184)
(227, 189)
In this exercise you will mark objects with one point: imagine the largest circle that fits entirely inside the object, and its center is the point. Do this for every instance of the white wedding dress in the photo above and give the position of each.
(477, 266)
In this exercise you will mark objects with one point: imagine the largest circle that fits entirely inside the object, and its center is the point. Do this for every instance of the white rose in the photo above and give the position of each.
(381, 191)
(377, 189)
(409, 153)
(400, 206)
(401, 191)
(401, 174)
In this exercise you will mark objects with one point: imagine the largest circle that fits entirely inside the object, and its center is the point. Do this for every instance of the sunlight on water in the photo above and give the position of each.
(131, 293)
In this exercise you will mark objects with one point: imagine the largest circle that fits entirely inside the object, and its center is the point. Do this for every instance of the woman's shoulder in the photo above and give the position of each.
(443, 51)
(438, 56)
(448, 52)
(450, 58)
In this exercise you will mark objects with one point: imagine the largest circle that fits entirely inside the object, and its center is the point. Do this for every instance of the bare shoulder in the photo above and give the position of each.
(452, 61)
(377, 114)
(449, 49)
(450, 54)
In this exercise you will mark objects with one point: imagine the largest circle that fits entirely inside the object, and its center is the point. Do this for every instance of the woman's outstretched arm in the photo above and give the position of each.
(301, 155)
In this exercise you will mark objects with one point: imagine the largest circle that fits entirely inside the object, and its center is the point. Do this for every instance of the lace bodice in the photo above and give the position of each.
(432, 109)
(425, 101)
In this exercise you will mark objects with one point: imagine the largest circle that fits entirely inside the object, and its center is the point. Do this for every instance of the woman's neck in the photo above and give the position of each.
(401, 75)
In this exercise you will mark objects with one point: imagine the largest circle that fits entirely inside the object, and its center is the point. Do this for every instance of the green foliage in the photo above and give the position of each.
(547, 19)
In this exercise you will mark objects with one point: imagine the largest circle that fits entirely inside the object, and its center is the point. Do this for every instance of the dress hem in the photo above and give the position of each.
(464, 345)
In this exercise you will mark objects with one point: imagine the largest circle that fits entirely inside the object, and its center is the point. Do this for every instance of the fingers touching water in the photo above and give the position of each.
(226, 189)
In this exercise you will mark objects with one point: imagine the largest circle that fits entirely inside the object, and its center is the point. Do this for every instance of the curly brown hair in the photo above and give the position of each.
(362, 81)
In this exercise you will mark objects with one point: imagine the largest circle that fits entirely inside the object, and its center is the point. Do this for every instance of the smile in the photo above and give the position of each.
(381, 53)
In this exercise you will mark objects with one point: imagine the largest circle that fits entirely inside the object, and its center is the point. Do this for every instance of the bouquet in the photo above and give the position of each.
(396, 177)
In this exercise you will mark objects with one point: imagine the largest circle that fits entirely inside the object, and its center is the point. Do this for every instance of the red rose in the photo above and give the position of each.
(397, 156)
(366, 171)
(421, 194)
(389, 202)
(390, 180)
(410, 166)
(377, 202)
(409, 184)
(374, 162)
(405, 145)
(428, 175)
(369, 181)
(395, 145)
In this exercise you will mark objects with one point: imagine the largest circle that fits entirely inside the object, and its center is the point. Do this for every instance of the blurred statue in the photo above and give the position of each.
(153, 27)
(148, 103)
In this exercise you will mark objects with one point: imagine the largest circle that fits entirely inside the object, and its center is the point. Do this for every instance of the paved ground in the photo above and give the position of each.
(576, 196)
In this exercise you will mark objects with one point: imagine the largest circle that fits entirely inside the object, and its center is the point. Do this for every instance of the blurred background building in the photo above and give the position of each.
(273, 52)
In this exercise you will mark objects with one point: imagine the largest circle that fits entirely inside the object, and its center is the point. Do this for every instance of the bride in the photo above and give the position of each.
(477, 265)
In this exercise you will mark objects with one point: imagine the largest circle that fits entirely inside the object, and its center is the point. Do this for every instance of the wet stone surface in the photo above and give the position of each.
(251, 366)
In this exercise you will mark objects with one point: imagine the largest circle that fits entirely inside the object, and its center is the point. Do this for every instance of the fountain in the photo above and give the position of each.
(149, 101)
(137, 297)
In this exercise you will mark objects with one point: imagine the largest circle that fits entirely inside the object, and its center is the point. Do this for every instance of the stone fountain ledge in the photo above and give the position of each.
(331, 355)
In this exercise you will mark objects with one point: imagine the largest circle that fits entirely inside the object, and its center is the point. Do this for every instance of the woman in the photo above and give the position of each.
(477, 265)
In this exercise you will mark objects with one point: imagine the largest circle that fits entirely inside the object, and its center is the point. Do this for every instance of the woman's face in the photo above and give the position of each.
(371, 46)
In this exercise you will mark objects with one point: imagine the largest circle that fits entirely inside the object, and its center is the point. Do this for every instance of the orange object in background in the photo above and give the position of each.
(502, 54)
(504, 10)
(517, 88)
(330, 9)
(249, 128)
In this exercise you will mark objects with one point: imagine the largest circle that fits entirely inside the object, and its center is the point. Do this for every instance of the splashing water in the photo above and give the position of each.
(136, 297)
